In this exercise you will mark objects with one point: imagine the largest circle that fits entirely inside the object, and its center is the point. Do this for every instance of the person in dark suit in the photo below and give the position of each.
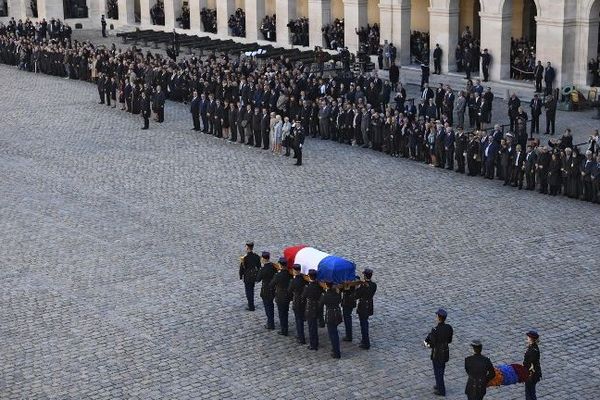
(449, 148)
(490, 154)
(267, 294)
(506, 161)
(210, 112)
(542, 166)
(538, 73)
(281, 284)
(348, 304)
(298, 302)
(394, 74)
(536, 111)
(265, 128)
(249, 121)
(480, 371)
(241, 125)
(513, 106)
(518, 170)
(249, 266)
(438, 340)
(486, 60)
(531, 362)
(100, 84)
(256, 124)
(217, 118)
(587, 169)
(195, 111)
(364, 294)
(203, 112)
(103, 24)
(158, 103)
(311, 295)
(437, 59)
(232, 116)
(530, 167)
(299, 135)
(145, 108)
(331, 300)
(550, 115)
(549, 76)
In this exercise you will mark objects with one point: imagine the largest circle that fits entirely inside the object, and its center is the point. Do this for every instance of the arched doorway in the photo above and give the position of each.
(419, 31)
(590, 46)
(75, 9)
(523, 38)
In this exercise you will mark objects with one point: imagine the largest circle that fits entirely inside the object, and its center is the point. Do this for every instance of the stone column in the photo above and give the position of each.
(285, 10)
(16, 9)
(50, 9)
(224, 9)
(319, 15)
(586, 48)
(394, 24)
(97, 8)
(443, 30)
(355, 16)
(172, 11)
(145, 12)
(495, 28)
(126, 12)
(552, 47)
(255, 12)
(195, 21)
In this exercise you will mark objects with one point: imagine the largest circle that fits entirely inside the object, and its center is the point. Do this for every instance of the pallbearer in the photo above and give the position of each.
(311, 294)
(298, 302)
(348, 305)
(265, 275)
(281, 284)
(364, 294)
(331, 300)
(249, 266)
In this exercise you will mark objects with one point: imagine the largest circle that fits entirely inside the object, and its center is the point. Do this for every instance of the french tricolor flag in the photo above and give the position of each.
(329, 267)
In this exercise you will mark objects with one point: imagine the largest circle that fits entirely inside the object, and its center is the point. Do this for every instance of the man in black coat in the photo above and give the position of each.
(486, 60)
(531, 362)
(437, 60)
(550, 115)
(256, 123)
(538, 73)
(265, 128)
(348, 304)
(513, 108)
(281, 284)
(203, 112)
(249, 266)
(438, 340)
(394, 75)
(267, 294)
(364, 294)
(331, 300)
(145, 109)
(298, 302)
(530, 167)
(311, 295)
(536, 111)
(298, 141)
(480, 371)
(158, 103)
(195, 110)
(100, 84)
(543, 167)
(549, 76)
(241, 125)
(461, 148)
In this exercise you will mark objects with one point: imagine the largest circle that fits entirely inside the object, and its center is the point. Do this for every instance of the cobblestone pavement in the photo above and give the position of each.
(120, 250)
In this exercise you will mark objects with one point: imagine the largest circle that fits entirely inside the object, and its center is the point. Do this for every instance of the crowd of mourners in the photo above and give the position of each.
(237, 23)
(467, 52)
(208, 17)
(112, 9)
(265, 103)
(55, 29)
(268, 28)
(157, 13)
(334, 34)
(419, 47)
(522, 58)
(369, 37)
(299, 31)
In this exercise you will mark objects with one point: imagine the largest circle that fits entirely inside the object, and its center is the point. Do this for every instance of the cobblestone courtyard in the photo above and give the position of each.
(120, 250)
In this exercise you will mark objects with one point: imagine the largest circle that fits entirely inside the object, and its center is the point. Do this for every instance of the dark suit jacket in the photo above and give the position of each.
(480, 371)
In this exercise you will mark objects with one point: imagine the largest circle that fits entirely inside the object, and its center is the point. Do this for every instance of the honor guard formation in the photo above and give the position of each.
(321, 303)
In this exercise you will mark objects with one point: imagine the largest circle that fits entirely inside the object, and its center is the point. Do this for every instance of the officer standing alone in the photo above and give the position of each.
(265, 275)
(249, 266)
(531, 362)
(480, 371)
(364, 294)
(438, 340)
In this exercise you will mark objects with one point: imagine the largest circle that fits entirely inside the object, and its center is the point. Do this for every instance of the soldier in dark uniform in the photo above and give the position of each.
(532, 363)
(265, 275)
(158, 101)
(281, 284)
(249, 266)
(333, 317)
(311, 294)
(298, 302)
(348, 304)
(298, 141)
(364, 295)
(480, 371)
(438, 340)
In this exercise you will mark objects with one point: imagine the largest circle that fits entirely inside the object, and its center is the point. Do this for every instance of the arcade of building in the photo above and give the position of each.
(565, 32)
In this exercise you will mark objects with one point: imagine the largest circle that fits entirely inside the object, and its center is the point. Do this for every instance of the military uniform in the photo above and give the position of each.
(281, 283)
(265, 275)
(480, 371)
(249, 266)
(438, 339)
(298, 303)
(364, 294)
(311, 294)
(531, 362)
(331, 300)
(348, 304)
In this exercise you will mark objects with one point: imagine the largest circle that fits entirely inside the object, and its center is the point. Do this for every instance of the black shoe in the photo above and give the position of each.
(269, 327)
(347, 339)
(321, 324)
(297, 164)
(144, 127)
(250, 308)
(282, 333)
(364, 346)
(337, 356)
(438, 393)
(313, 348)
(301, 341)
